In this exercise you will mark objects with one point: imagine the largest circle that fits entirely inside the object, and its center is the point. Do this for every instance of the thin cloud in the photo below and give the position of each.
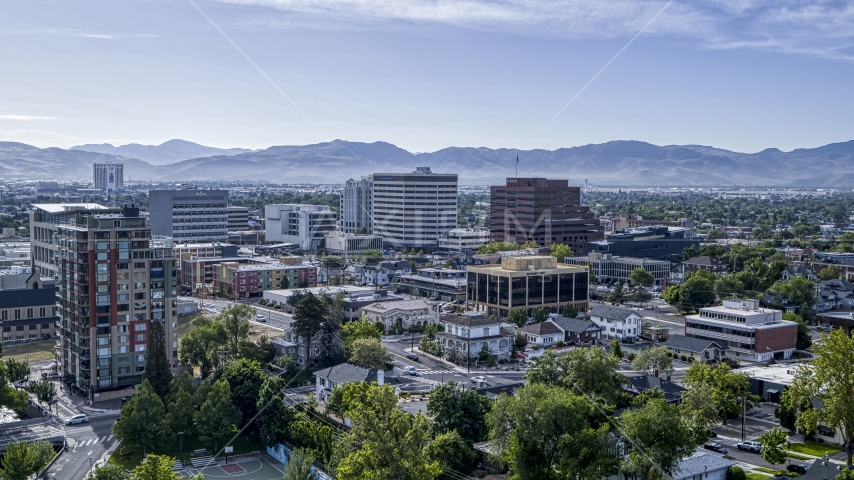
(820, 28)
(99, 36)
(24, 117)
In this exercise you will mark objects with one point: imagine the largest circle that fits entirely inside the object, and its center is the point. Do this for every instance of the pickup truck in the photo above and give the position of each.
(754, 447)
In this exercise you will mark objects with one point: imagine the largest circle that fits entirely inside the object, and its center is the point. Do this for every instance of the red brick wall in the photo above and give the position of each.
(779, 338)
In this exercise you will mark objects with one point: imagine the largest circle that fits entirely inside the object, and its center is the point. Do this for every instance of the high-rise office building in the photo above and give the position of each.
(45, 219)
(109, 176)
(115, 280)
(238, 218)
(541, 210)
(189, 214)
(305, 225)
(356, 206)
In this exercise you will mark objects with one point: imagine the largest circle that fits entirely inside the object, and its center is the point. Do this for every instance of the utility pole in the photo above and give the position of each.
(743, 414)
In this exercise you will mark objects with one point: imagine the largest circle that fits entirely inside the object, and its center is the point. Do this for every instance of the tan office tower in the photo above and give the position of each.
(109, 176)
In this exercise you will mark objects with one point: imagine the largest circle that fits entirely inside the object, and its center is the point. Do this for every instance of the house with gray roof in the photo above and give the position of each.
(469, 332)
(543, 334)
(641, 383)
(577, 330)
(618, 323)
(701, 350)
(705, 465)
(328, 379)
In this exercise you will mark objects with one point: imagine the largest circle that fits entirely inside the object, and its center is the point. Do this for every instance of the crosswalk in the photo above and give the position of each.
(92, 441)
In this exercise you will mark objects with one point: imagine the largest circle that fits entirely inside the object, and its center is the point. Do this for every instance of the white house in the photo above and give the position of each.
(616, 322)
(401, 313)
(330, 378)
(470, 331)
(544, 334)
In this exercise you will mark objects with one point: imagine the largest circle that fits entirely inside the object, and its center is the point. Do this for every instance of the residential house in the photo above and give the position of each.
(833, 294)
(798, 271)
(703, 465)
(401, 313)
(700, 350)
(617, 323)
(641, 383)
(471, 331)
(544, 334)
(577, 330)
(328, 379)
(705, 262)
(384, 273)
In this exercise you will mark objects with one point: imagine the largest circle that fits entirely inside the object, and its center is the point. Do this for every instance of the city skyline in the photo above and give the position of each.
(426, 75)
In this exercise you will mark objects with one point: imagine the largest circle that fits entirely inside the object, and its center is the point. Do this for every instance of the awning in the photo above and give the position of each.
(49, 367)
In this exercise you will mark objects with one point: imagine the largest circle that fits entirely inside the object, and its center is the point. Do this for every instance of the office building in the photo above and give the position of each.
(304, 225)
(409, 210)
(541, 210)
(625, 222)
(463, 240)
(115, 280)
(27, 305)
(109, 176)
(401, 314)
(529, 282)
(746, 331)
(446, 284)
(663, 243)
(189, 214)
(609, 268)
(349, 244)
(237, 218)
(356, 206)
(45, 219)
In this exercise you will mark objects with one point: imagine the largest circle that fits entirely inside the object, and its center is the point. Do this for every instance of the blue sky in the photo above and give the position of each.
(425, 74)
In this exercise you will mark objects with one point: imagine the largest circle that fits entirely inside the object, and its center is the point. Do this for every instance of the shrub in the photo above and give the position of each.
(736, 473)
(691, 360)
(682, 357)
(560, 343)
(631, 357)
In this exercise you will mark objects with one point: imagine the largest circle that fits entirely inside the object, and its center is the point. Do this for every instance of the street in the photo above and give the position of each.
(275, 318)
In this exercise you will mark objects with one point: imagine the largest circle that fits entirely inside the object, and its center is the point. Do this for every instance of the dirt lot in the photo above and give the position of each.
(32, 352)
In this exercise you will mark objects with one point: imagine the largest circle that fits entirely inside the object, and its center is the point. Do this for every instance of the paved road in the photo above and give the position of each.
(84, 440)
(275, 318)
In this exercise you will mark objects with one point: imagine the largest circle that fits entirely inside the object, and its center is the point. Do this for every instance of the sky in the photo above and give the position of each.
(744, 75)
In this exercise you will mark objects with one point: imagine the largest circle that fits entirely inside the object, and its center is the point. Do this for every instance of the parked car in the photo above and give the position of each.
(125, 400)
(798, 468)
(412, 371)
(715, 447)
(261, 318)
(81, 418)
(754, 447)
(413, 357)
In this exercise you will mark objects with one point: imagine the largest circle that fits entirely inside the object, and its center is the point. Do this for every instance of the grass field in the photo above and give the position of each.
(32, 352)
(815, 449)
(241, 445)
(757, 476)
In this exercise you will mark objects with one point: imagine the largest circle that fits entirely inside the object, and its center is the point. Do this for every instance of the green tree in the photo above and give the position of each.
(44, 390)
(518, 316)
(641, 296)
(455, 410)
(109, 472)
(452, 452)
(660, 439)
(735, 472)
(369, 353)
(829, 378)
(308, 319)
(798, 290)
(158, 372)
(199, 347)
(143, 421)
(540, 314)
(181, 411)
(42, 452)
(362, 328)
(182, 382)
(274, 417)
(672, 296)
(570, 311)
(616, 295)
(218, 418)
(560, 251)
(653, 361)
(589, 370)
(698, 291)
(640, 277)
(846, 474)
(235, 322)
(830, 272)
(18, 462)
(616, 349)
(300, 466)
(699, 408)
(729, 387)
(245, 379)
(9, 396)
(156, 467)
(772, 446)
(804, 340)
(391, 442)
(313, 436)
(545, 429)
(16, 370)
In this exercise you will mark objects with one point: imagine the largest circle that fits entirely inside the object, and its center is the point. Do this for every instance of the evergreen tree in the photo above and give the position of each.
(143, 420)
(308, 320)
(218, 418)
(18, 462)
(157, 369)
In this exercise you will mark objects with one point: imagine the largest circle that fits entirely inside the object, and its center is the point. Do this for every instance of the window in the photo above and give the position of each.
(124, 359)
(29, 313)
(33, 327)
(139, 337)
(140, 358)
(124, 370)
(139, 348)
(485, 332)
(4, 315)
(45, 326)
(139, 327)
(17, 314)
(124, 338)
(42, 312)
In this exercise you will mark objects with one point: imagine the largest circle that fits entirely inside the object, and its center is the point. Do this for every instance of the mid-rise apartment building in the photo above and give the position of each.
(45, 219)
(109, 176)
(115, 280)
(243, 281)
(744, 330)
(529, 282)
(237, 218)
(189, 214)
(356, 205)
(305, 225)
(541, 210)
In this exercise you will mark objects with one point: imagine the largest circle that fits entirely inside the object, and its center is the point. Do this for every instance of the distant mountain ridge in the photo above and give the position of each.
(167, 152)
(617, 163)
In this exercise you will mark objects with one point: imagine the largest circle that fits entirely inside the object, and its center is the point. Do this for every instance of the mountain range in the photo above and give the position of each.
(616, 163)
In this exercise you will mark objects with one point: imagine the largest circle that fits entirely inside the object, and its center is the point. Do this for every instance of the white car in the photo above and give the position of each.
(480, 379)
(412, 371)
(82, 418)
(261, 318)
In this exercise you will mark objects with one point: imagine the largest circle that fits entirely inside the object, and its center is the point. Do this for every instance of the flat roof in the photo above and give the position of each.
(68, 207)
(783, 374)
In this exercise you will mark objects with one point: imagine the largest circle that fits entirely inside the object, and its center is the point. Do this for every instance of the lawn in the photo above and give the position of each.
(798, 457)
(241, 445)
(756, 476)
(814, 449)
(32, 352)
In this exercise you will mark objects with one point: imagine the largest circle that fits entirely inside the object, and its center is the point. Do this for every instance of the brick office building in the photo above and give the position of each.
(542, 210)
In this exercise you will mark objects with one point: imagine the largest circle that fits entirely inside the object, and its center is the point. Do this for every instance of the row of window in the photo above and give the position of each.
(27, 312)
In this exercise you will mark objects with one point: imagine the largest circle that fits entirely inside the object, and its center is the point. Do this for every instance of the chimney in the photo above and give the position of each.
(380, 376)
